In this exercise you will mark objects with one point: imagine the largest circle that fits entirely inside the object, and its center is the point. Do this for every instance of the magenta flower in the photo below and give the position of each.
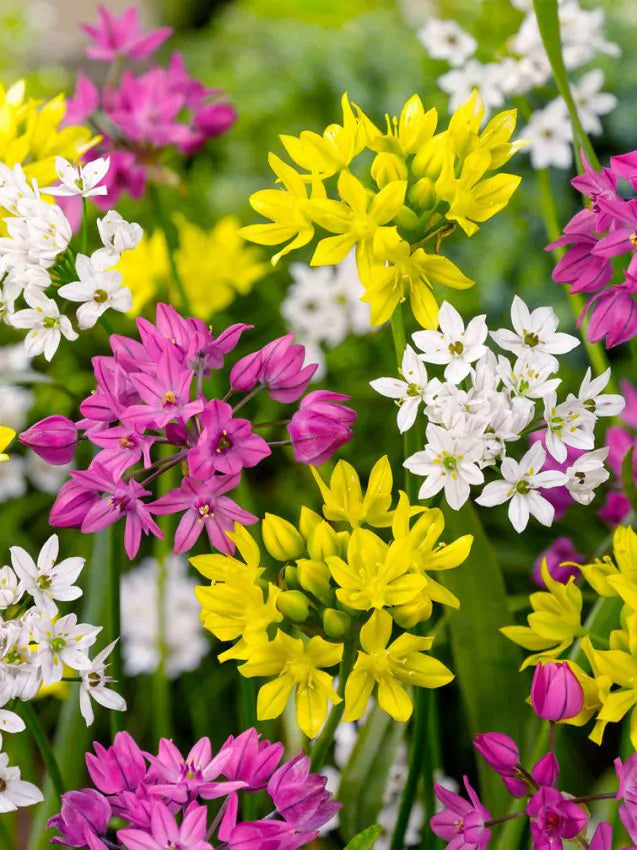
(84, 102)
(614, 315)
(166, 397)
(556, 693)
(122, 448)
(120, 767)
(321, 425)
(165, 832)
(278, 366)
(117, 37)
(499, 751)
(553, 818)
(561, 560)
(226, 444)
(585, 271)
(300, 796)
(266, 835)
(53, 439)
(461, 823)
(602, 837)
(125, 174)
(251, 760)
(71, 505)
(546, 770)
(621, 237)
(84, 813)
(625, 166)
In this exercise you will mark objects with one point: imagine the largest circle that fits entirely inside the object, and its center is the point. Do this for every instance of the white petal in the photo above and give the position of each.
(540, 508)
(389, 387)
(495, 493)
(456, 492)
(519, 512)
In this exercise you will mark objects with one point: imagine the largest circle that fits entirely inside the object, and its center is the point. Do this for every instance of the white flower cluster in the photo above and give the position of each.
(524, 66)
(323, 307)
(185, 641)
(486, 402)
(36, 254)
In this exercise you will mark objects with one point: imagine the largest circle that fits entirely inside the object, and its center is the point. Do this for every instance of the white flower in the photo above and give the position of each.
(10, 588)
(582, 33)
(550, 136)
(591, 398)
(39, 233)
(519, 487)
(447, 462)
(79, 179)
(15, 792)
(460, 83)
(14, 186)
(453, 344)
(586, 474)
(94, 685)
(529, 377)
(117, 236)
(98, 289)
(568, 424)
(46, 580)
(446, 40)
(63, 642)
(591, 101)
(409, 393)
(533, 330)
(10, 722)
(46, 325)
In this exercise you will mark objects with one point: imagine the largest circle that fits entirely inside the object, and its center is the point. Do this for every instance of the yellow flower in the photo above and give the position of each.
(344, 498)
(295, 664)
(619, 668)
(406, 134)
(146, 271)
(6, 437)
(554, 623)
(618, 577)
(390, 666)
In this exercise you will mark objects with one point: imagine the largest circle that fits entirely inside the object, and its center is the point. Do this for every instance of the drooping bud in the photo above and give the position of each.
(281, 538)
(423, 194)
(308, 521)
(53, 439)
(499, 751)
(546, 770)
(291, 578)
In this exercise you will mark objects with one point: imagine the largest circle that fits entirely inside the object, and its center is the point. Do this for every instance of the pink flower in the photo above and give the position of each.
(461, 823)
(556, 693)
(614, 315)
(266, 835)
(251, 759)
(181, 780)
(53, 439)
(277, 366)
(585, 271)
(499, 751)
(125, 174)
(206, 508)
(320, 426)
(120, 767)
(553, 818)
(122, 447)
(164, 831)
(561, 560)
(121, 37)
(166, 397)
(84, 813)
(226, 444)
(546, 770)
(300, 796)
(83, 103)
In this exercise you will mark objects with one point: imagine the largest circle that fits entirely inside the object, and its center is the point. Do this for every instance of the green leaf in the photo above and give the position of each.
(364, 778)
(365, 839)
(485, 663)
(628, 479)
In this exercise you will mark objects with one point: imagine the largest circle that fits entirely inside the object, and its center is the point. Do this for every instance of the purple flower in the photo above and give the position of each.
(84, 812)
(180, 779)
(166, 397)
(123, 447)
(625, 166)
(300, 796)
(585, 271)
(164, 831)
(461, 823)
(602, 837)
(614, 315)
(561, 561)
(53, 439)
(251, 759)
(120, 767)
(125, 174)
(226, 444)
(499, 751)
(553, 818)
(556, 693)
(627, 777)
(277, 366)
(117, 37)
(546, 770)
(320, 426)
(266, 835)
(84, 102)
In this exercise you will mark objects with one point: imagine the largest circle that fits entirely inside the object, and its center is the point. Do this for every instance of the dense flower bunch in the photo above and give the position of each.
(522, 67)
(141, 117)
(554, 816)
(211, 286)
(606, 229)
(335, 594)
(557, 623)
(420, 186)
(160, 800)
(39, 265)
(153, 393)
(484, 403)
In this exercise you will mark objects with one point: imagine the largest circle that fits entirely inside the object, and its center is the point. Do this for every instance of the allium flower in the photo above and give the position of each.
(553, 818)
(84, 813)
(562, 559)
(446, 40)
(15, 792)
(46, 580)
(54, 439)
(461, 823)
(45, 324)
(94, 685)
(117, 37)
(120, 767)
(550, 136)
(164, 831)
(79, 179)
(321, 425)
(63, 642)
(556, 693)
(409, 393)
(534, 331)
(499, 751)
(586, 475)
(99, 290)
(453, 345)
(299, 796)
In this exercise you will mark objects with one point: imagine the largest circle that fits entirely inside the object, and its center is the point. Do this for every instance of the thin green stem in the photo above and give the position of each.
(170, 238)
(324, 741)
(248, 718)
(416, 759)
(116, 717)
(5, 838)
(84, 225)
(32, 721)
(398, 334)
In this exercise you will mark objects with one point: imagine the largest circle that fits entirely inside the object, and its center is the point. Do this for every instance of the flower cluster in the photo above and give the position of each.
(351, 586)
(557, 621)
(484, 403)
(154, 394)
(606, 229)
(140, 117)
(420, 186)
(522, 66)
(160, 800)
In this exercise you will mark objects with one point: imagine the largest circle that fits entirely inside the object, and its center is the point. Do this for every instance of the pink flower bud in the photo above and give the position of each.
(499, 751)
(515, 786)
(53, 438)
(320, 426)
(546, 770)
(556, 693)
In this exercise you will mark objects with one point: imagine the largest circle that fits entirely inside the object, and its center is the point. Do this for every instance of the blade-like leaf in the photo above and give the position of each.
(628, 479)
(365, 839)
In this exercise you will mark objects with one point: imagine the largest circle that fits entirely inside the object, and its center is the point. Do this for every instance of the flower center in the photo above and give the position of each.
(224, 443)
(169, 398)
(58, 644)
(413, 390)
(126, 443)
(100, 295)
(44, 582)
(633, 239)
(94, 679)
(590, 405)
(531, 339)
(456, 348)
(553, 821)
(50, 322)
(523, 487)
(581, 477)
(205, 511)
(3, 785)
(450, 463)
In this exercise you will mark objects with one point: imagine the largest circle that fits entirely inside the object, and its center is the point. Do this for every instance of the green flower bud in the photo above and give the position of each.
(291, 578)
(387, 167)
(294, 605)
(336, 623)
(407, 219)
(281, 538)
(314, 576)
(423, 194)
(323, 542)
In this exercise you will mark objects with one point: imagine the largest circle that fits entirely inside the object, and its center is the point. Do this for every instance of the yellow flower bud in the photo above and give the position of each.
(409, 615)
(314, 576)
(423, 194)
(336, 623)
(428, 162)
(323, 542)
(291, 578)
(407, 219)
(294, 605)
(281, 538)
(308, 521)
(388, 167)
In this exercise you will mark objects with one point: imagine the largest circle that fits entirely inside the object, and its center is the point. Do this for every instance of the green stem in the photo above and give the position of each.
(170, 238)
(416, 759)
(32, 721)
(248, 719)
(323, 743)
(5, 838)
(398, 334)
(116, 717)
(84, 226)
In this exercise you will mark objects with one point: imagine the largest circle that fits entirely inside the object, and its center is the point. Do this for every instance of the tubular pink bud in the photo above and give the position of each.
(499, 751)
(53, 438)
(556, 694)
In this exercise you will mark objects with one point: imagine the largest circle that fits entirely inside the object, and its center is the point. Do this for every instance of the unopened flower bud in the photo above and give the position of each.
(499, 751)
(546, 770)
(308, 521)
(323, 542)
(336, 623)
(407, 219)
(409, 615)
(314, 576)
(428, 162)
(281, 538)
(291, 577)
(388, 167)
(53, 439)
(515, 786)
(423, 194)
(294, 605)
(556, 693)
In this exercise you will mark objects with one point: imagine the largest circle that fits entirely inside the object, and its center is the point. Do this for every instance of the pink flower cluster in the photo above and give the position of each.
(596, 236)
(140, 116)
(161, 798)
(154, 395)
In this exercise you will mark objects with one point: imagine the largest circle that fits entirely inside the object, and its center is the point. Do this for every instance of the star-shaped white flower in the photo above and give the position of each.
(79, 179)
(586, 474)
(94, 685)
(533, 331)
(15, 792)
(46, 580)
(98, 288)
(568, 424)
(117, 235)
(47, 326)
(592, 398)
(63, 642)
(453, 344)
(410, 392)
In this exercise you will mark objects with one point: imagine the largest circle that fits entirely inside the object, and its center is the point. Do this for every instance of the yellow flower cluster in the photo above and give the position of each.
(610, 691)
(215, 266)
(31, 135)
(339, 593)
(421, 184)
